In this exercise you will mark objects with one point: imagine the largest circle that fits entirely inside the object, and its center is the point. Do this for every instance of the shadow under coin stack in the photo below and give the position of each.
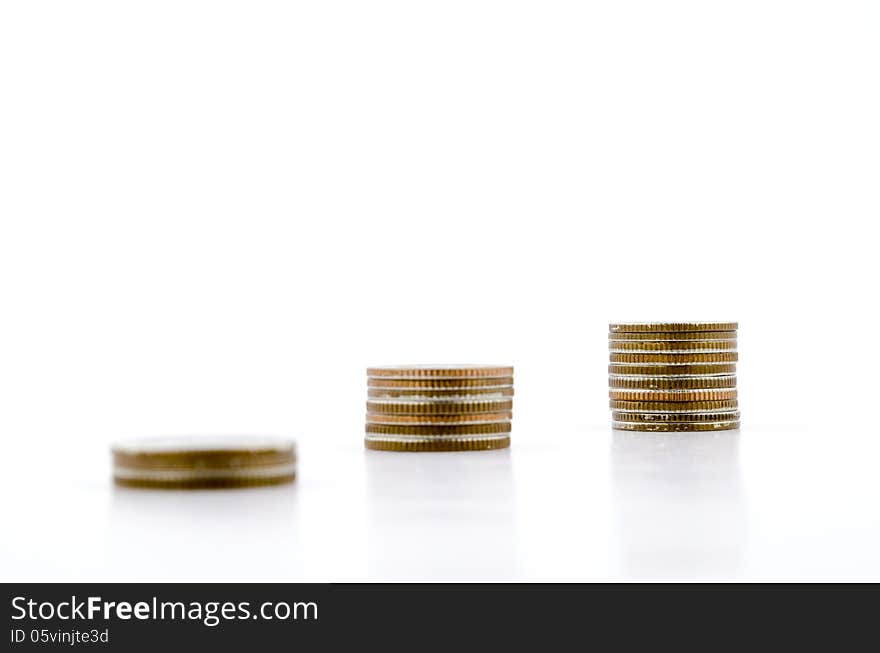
(439, 407)
(673, 376)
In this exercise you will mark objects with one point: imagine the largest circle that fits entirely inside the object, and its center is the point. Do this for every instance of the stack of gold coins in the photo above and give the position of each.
(673, 376)
(193, 462)
(439, 407)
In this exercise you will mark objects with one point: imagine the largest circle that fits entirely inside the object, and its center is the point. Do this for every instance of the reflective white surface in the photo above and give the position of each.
(218, 235)
(590, 505)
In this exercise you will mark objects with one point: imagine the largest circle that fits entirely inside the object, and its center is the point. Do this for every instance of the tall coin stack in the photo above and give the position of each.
(673, 376)
(439, 407)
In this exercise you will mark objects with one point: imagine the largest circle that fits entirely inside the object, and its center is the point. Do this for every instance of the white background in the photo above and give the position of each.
(215, 215)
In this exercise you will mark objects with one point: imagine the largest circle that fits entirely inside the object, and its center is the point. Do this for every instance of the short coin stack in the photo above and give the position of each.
(673, 376)
(196, 463)
(439, 407)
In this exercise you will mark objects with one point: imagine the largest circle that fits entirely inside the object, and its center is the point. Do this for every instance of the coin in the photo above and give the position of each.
(455, 394)
(464, 418)
(438, 407)
(675, 427)
(682, 383)
(457, 444)
(672, 395)
(674, 406)
(678, 336)
(438, 384)
(715, 369)
(690, 346)
(440, 371)
(678, 358)
(191, 463)
(670, 327)
(438, 429)
(692, 418)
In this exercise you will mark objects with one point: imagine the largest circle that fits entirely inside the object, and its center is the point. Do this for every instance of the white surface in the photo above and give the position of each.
(584, 505)
(214, 216)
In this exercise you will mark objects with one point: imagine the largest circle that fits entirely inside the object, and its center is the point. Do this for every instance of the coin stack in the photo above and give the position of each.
(673, 376)
(439, 407)
(195, 463)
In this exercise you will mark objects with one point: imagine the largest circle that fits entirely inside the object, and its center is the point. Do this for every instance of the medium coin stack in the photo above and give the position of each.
(673, 376)
(439, 407)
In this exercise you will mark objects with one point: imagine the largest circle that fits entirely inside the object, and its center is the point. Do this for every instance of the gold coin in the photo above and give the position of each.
(674, 427)
(716, 369)
(680, 336)
(438, 407)
(214, 452)
(397, 430)
(471, 418)
(440, 371)
(674, 406)
(677, 418)
(691, 346)
(670, 327)
(693, 383)
(672, 395)
(441, 384)
(177, 463)
(455, 394)
(458, 444)
(205, 483)
(689, 358)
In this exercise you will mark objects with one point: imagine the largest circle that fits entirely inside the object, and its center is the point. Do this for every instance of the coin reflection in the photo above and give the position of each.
(679, 506)
(441, 515)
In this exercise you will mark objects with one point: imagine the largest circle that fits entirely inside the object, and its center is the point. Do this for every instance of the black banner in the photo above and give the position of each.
(233, 617)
